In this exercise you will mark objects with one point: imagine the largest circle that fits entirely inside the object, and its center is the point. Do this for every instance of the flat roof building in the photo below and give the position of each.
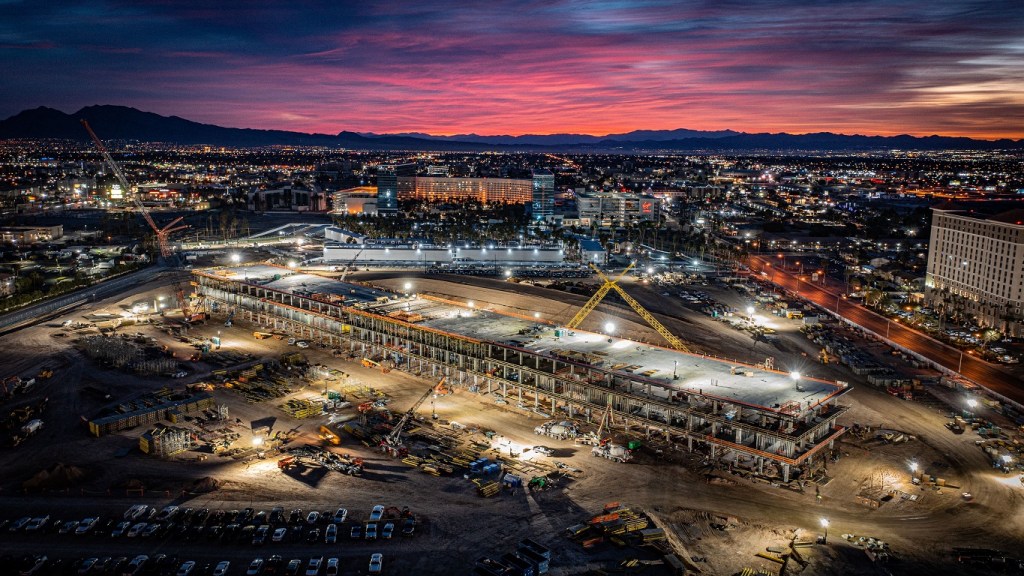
(976, 265)
(750, 416)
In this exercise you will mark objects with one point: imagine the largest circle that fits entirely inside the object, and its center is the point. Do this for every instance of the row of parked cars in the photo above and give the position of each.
(163, 565)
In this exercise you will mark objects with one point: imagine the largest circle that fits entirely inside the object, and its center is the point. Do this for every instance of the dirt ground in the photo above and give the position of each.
(457, 525)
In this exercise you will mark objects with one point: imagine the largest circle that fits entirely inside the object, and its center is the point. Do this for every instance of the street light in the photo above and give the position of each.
(750, 312)
(536, 314)
(235, 258)
(796, 378)
(407, 287)
(824, 524)
(609, 327)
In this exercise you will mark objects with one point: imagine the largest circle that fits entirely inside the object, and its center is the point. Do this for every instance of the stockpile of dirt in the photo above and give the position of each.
(59, 475)
(204, 484)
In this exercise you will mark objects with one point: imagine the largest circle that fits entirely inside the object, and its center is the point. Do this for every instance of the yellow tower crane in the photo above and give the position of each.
(609, 285)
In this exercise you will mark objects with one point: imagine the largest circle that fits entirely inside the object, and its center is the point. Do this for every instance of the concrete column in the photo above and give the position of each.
(785, 472)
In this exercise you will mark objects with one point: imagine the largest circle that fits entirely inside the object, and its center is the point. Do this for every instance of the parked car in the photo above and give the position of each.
(279, 534)
(136, 529)
(187, 568)
(376, 563)
(222, 568)
(371, 531)
(313, 568)
(331, 534)
(255, 567)
(340, 515)
(312, 517)
(377, 513)
(388, 531)
(136, 565)
(332, 567)
(293, 567)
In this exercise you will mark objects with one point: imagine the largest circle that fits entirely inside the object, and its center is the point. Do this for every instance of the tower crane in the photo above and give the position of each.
(610, 285)
(162, 233)
(393, 440)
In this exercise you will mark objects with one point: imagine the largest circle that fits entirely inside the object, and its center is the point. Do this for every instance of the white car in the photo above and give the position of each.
(302, 344)
(279, 535)
(376, 513)
(376, 563)
(222, 568)
(135, 512)
(340, 515)
(312, 517)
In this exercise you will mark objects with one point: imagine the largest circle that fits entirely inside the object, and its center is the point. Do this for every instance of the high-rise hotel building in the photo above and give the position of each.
(976, 266)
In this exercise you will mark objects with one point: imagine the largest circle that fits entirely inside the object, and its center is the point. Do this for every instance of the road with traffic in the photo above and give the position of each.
(973, 368)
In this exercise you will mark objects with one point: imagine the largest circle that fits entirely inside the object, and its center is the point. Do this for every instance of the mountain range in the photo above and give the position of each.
(125, 123)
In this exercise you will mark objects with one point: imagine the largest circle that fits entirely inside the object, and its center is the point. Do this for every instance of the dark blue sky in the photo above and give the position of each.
(876, 67)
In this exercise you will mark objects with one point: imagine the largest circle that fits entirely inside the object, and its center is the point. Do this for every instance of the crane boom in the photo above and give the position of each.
(394, 438)
(162, 234)
(610, 285)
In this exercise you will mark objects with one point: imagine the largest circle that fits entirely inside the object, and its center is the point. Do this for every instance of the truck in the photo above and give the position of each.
(32, 427)
(560, 430)
(613, 452)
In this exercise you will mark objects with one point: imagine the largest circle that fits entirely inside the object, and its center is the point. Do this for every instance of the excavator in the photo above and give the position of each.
(392, 443)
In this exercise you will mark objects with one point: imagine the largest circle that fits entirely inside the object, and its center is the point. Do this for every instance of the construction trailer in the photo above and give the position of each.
(758, 415)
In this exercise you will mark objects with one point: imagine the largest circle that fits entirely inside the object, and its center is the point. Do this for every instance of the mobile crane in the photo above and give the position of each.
(392, 443)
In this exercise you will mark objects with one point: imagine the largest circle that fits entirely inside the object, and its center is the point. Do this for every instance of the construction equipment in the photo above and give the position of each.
(596, 438)
(823, 356)
(393, 441)
(374, 364)
(610, 285)
(348, 267)
(162, 234)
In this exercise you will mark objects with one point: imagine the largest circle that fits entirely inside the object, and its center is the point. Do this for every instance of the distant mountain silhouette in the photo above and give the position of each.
(124, 123)
(568, 139)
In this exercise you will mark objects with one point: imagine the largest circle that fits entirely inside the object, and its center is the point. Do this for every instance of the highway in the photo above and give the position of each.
(41, 310)
(975, 369)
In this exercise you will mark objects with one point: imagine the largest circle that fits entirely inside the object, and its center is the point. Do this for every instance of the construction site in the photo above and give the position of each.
(753, 417)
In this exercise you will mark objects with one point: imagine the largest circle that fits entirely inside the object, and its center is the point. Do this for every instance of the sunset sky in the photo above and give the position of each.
(951, 67)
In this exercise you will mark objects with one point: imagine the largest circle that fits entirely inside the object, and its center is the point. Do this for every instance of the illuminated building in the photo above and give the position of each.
(976, 266)
(543, 194)
(617, 209)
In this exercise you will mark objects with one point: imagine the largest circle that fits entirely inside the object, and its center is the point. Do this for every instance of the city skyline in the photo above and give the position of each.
(878, 68)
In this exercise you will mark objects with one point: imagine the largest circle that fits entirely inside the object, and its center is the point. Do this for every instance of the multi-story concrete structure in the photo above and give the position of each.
(543, 194)
(976, 266)
(388, 177)
(483, 190)
(617, 208)
(751, 417)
